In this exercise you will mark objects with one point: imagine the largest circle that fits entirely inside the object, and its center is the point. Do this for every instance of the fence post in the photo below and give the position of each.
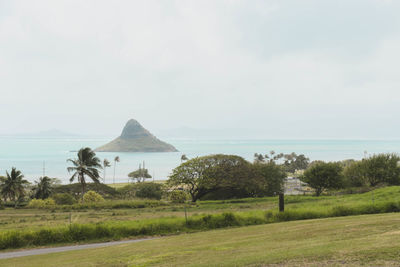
(281, 202)
(185, 214)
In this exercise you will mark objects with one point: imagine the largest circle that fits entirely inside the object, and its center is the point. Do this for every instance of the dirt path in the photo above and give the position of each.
(39, 251)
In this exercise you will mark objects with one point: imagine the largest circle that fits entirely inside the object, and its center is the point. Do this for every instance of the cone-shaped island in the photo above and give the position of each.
(135, 138)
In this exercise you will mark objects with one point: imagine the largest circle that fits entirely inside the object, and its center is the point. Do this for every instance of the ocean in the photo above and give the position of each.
(33, 155)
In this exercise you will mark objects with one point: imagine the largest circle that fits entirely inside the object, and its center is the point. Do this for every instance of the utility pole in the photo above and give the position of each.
(44, 168)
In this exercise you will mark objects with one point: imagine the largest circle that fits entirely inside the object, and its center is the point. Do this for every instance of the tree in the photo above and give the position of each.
(382, 168)
(270, 178)
(323, 176)
(295, 162)
(116, 159)
(43, 188)
(291, 162)
(13, 186)
(87, 164)
(140, 175)
(202, 175)
(106, 164)
(258, 157)
(355, 174)
(184, 158)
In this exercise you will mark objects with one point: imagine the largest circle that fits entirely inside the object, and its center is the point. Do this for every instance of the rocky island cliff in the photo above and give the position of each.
(135, 138)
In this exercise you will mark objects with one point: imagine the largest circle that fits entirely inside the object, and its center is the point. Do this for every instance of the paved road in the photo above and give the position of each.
(39, 251)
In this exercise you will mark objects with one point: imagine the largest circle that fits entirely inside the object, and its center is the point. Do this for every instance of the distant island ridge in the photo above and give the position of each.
(135, 138)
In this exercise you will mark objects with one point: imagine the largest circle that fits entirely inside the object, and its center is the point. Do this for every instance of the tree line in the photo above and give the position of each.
(380, 169)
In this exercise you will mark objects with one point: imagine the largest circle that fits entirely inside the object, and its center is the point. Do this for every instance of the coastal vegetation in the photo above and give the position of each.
(115, 219)
(202, 193)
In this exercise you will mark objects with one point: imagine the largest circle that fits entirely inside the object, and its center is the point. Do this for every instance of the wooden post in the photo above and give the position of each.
(281, 202)
(185, 214)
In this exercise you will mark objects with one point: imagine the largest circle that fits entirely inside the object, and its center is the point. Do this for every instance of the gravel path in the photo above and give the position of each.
(39, 251)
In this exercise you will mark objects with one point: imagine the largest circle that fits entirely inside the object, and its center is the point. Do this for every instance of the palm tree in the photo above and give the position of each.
(184, 157)
(87, 164)
(106, 164)
(13, 186)
(43, 188)
(116, 159)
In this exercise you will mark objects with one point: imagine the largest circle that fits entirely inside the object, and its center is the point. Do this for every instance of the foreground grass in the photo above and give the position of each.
(113, 230)
(372, 240)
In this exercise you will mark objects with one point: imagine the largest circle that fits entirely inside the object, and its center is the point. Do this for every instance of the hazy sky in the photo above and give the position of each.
(273, 69)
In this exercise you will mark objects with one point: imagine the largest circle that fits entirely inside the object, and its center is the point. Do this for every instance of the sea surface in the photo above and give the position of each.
(35, 155)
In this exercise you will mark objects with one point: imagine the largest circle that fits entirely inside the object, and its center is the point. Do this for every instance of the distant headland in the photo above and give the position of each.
(135, 138)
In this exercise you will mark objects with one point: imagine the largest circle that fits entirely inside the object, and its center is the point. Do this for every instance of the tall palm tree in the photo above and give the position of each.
(116, 159)
(13, 186)
(106, 164)
(87, 164)
(43, 188)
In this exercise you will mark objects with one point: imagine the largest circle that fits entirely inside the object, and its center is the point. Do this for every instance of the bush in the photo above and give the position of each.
(149, 190)
(76, 189)
(63, 199)
(178, 196)
(41, 203)
(92, 197)
(142, 190)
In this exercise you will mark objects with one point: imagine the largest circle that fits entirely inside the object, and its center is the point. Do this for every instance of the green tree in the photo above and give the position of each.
(270, 178)
(382, 168)
(140, 175)
(13, 186)
(184, 158)
(106, 164)
(202, 175)
(355, 174)
(258, 157)
(295, 162)
(87, 164)
(323, 176)
(43, 188)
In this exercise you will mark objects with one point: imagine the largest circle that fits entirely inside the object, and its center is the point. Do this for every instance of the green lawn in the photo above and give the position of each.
(372, 240)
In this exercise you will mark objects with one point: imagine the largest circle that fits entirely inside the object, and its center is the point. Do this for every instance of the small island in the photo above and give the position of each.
(135, 138)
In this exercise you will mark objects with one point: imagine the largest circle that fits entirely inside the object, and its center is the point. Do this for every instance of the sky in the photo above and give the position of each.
(264, 69)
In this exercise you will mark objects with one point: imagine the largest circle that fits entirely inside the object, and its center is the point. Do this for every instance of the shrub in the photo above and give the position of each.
(76, 189)
(63, 199)
(92, 197)
(142, 190)
(149, 190)
(178, 196)
(41, 204)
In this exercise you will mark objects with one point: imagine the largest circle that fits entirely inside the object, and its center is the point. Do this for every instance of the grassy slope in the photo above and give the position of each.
(357, 240)
(33, 218)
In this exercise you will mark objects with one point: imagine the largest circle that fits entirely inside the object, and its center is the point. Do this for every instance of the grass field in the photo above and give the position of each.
(11, 219)
(372, 240)
(38, 227)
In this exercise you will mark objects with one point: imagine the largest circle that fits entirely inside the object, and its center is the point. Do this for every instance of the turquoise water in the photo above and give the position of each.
(29, 153)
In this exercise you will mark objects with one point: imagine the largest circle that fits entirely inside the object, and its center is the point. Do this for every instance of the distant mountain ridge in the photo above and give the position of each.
(135, 138)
